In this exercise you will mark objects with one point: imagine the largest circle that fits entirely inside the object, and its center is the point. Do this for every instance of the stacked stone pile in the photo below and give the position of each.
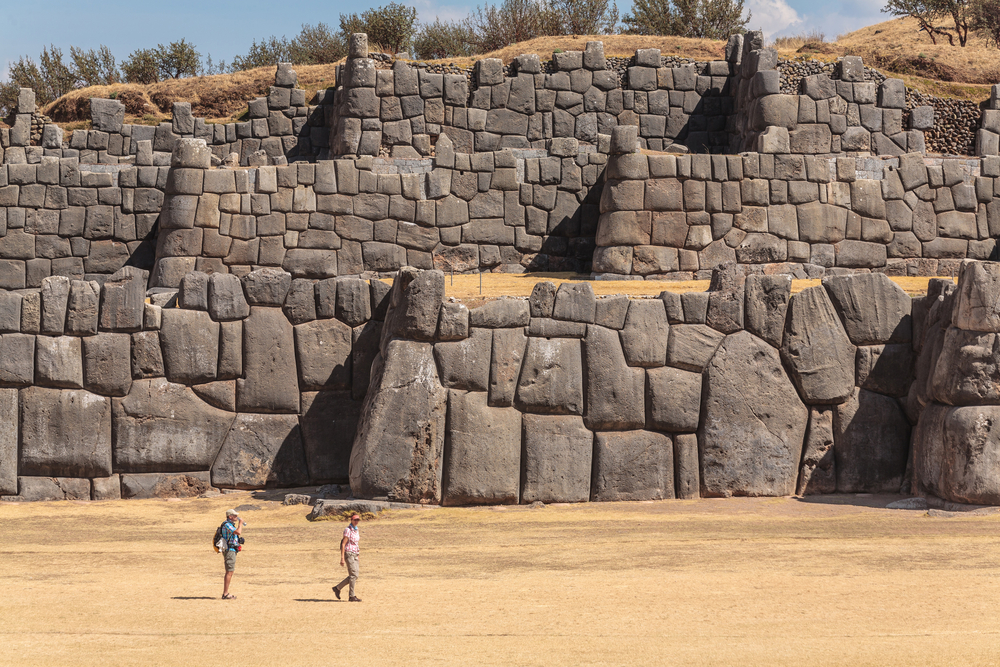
(225, 383)
(742, 390)
(664, 214)
(793, 71)
(955, 123)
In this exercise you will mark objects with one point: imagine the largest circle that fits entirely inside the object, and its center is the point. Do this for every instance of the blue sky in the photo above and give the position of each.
(225, 28)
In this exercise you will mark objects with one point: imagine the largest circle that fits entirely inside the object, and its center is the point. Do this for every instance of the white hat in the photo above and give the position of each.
(232, 513)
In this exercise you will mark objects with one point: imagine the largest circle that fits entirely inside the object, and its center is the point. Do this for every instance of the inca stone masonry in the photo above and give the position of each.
(196, 305)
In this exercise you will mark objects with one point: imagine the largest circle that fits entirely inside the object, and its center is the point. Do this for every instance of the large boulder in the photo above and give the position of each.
(551, 377)
(259, 451)
(482, 462)
(645, 334)
(505, 365)
(270, 382)
(977, 306)
(65, 433)
(818, 473)
(615, 392)
(929, 450)
(633, 465)
(329, 421)
(871, 437)
(874, 309)
(165, 485)
(766, 303)
(400, 440)
(190, 341)
(465, 364)
(817, 351)
(107, 363)
(886, 369)
(971, 462)
(324, 354)
(674, 399)
(414, 303)
(164, 427)
(691, 346)
(8, 442)
(967, 368)
(753, 422)
(558, 451)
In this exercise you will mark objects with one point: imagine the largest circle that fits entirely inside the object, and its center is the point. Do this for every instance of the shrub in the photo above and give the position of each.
(706, 19)
(586, 17)
(178, 59)
(494, 27)
(391, 26)
(142, 66)
(442, 39)
(94, 68)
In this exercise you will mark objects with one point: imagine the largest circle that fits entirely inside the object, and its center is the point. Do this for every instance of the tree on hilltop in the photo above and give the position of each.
(929, 12)
(704, 19)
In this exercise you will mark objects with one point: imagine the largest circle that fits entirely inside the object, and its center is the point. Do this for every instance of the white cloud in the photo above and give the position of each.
(772, 16)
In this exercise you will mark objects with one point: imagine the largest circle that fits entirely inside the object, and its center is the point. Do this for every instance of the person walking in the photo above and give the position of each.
(231, 536)
(349, 556)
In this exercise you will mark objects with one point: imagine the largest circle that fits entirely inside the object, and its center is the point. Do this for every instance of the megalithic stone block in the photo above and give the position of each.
(482, 462)
(65, 433)
(400, 441)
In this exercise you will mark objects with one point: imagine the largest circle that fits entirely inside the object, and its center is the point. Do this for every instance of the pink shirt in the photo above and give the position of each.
(352, 535)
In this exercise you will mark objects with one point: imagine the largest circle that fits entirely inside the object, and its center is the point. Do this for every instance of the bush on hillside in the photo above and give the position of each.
(443, 39)
(142, 67)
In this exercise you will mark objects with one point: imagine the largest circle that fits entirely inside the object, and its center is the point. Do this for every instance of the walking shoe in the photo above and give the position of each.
(354, 599)
(336, 592)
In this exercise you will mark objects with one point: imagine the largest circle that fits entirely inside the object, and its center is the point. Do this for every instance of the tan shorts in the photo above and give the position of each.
(230, 561)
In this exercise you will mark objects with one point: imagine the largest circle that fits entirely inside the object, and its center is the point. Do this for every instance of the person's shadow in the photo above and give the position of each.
(193, 597)
(314, 600)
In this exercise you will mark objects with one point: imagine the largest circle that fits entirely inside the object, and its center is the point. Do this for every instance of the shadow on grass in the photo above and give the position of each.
(192, 597)
(877, 500)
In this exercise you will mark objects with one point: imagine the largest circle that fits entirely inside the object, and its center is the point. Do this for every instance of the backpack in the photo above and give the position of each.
(218, 538)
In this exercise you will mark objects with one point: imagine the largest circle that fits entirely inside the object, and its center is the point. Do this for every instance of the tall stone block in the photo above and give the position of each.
(190, 341)
(558, 452)
(324, 355)
(551, 377)
(753, 422)
(482, 462)
(270, 382)
(615, 392)
(329, 421)
(8, 441)
(400, 441)
(871, 439)
(819, 355)
(505, 365)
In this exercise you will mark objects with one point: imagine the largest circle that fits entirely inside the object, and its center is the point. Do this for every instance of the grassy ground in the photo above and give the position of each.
(467, 286)
(828, 581)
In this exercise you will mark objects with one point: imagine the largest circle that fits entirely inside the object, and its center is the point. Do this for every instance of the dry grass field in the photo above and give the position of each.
(828, 581)
(473, 286)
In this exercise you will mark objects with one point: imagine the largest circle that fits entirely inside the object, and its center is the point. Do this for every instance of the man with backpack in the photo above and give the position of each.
(228, 541)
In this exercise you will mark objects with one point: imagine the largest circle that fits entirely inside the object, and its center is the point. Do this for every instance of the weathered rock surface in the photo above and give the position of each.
(65, 433)
(190, 341)
(8, 442)
(633, 465)
(886, 369)
(261, 450)
(59, 362)
(871, 443)
(819, 355)
(465, 364)
(551, 377)
(165, 485)
(753, 423)
(324, 354)
(270, 383)
(687, 480)
(414, 303)
(558, 452)
(505, 365)
(874, 309)
(329, 420)
(691, 346)
(971, 462)
(818, 473)
(674, 399)
(645, 334)
(615, 392)
(53, 488)
(164, 427)
(107, 363)
(967, 368)
(482, 462)
(977, 305)
(766, 304)
(400, 440)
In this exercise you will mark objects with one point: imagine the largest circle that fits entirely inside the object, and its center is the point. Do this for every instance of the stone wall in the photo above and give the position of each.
(226, 382)
(676, 216)
(742, 390)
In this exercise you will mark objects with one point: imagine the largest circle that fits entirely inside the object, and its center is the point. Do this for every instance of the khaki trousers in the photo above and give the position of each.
(352, 572)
